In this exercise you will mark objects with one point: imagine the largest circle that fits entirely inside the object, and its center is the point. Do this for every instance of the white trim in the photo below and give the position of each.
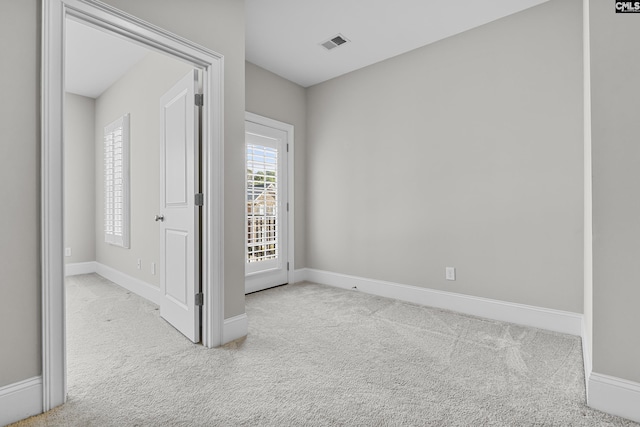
(137, 286)
(235, 327)
(537, 317)
(76, 268)
(20, 400)
(212, 175)
(299, 275)
(54, 387)
(614, 396)
(112, 20)
(586, 356)
(290, 131)
(587, 322)
(291, 180)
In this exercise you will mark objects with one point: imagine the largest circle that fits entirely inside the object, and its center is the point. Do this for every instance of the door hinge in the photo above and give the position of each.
(199, 199)
(287, 266)
(287, 206)
(199, 299)
(199, 99)
(287, 148)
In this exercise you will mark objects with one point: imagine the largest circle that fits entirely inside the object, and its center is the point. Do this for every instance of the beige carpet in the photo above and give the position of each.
(315, 356)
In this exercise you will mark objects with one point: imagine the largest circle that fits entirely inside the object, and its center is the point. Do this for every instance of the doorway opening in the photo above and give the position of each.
(56, 15)
(116, 172)
(269, 203)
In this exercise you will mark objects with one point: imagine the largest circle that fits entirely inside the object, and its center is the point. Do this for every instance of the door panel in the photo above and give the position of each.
(176, 265)
(176, 179)
(266, 251)
(179, 233)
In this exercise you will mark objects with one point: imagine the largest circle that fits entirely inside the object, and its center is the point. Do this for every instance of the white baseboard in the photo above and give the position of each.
(614, 396)
(77, 268)
(137, 286)
(20, 400)
(299, 275)
(235, 327)
(537, 317)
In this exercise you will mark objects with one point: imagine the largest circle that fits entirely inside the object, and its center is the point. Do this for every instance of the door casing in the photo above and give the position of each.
(106, 18)
(289, 130)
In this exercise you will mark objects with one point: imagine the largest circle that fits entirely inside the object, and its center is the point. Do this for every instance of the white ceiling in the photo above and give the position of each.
(94, 60)
(284, 37)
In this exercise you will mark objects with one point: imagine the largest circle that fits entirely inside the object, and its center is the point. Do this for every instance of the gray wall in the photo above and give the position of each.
(20, 191)
(219, 26)
(138, 93)
(79, 178)
(615, 94)
(465, 153)
(272, 96)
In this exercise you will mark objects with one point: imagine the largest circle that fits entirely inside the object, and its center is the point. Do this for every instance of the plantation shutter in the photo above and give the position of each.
(116, 182)
(262, 202)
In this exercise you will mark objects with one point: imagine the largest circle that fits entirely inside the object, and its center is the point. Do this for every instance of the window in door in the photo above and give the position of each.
(262, 203)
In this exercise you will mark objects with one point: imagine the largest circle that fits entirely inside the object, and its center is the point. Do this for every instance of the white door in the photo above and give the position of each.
(266, 248)
(179, 216)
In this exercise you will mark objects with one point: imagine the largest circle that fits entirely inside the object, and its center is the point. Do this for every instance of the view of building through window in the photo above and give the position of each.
(262, 207)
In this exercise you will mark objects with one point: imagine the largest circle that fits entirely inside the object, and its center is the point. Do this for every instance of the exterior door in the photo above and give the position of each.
(179, 215)
(266, 248)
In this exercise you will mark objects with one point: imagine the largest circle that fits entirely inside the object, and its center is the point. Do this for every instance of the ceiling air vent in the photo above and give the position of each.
(334, 42)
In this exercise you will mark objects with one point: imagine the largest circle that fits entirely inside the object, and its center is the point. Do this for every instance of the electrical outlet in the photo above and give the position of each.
(153, 268)
(139, 263)
(450, 273)
(67, 251)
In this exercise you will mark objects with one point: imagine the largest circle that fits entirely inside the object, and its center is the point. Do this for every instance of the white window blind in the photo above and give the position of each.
(116, 182)
(262, 203)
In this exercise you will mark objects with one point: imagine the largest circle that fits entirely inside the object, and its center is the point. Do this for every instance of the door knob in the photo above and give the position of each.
(159, 217)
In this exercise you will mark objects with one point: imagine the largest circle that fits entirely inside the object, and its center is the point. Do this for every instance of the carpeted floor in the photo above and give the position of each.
(315, 356)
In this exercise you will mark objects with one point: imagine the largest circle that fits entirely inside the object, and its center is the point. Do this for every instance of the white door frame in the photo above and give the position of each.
(289, 130)
(105, 17)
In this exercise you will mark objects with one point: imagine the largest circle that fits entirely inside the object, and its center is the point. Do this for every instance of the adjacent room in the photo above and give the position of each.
(296, 213)
(116, 172)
